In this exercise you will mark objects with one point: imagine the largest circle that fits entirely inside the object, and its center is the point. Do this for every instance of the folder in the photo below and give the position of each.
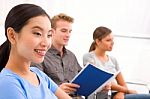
(91, 79)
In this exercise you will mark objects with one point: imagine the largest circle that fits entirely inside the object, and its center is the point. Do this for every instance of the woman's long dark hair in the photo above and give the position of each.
(17, 18)
(99, 33)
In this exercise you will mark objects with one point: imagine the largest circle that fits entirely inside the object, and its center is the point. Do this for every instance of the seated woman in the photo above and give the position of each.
(103, 42)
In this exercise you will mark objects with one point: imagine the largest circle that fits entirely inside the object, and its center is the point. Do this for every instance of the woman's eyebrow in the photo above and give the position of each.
(38, 27)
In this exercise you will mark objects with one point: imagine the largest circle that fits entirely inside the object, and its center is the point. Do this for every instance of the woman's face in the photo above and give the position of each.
(106, 43)
(34, 39)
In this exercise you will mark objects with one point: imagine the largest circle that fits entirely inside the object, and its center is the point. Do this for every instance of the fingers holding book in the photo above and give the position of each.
(107, 87)
(69, 87)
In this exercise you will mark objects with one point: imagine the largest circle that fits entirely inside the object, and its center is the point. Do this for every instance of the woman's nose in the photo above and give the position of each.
(46, 42)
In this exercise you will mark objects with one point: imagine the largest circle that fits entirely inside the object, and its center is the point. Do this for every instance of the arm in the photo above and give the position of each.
(52, 86)
(121, 87)
(61, 94)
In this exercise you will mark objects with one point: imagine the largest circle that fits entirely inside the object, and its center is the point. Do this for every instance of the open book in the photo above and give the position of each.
(91, 79)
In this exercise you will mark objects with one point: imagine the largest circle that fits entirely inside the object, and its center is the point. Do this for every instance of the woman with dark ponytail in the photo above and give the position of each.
(28, 37)
(103, 42)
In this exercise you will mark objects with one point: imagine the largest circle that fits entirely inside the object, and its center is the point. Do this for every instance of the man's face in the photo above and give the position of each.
(62, 32)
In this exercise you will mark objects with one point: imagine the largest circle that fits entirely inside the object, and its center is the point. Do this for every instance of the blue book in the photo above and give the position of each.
(91, 78)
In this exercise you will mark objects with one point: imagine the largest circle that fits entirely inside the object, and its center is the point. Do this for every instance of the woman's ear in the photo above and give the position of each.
(11, 35)
(97, 41)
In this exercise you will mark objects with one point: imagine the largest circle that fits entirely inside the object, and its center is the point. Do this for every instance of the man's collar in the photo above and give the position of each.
(55, 51)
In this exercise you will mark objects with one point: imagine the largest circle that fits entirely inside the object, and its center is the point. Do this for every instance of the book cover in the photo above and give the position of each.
(91, 78)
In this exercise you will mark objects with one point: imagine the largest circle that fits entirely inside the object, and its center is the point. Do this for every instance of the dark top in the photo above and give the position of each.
(60, 69)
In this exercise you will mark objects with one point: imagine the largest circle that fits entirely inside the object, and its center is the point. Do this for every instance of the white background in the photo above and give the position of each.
(129, 18)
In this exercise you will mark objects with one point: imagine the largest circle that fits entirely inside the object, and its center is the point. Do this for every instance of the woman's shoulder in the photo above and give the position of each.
(112, 58)
(8, 75)
(115, 62)
(10, 80)
(88, 54)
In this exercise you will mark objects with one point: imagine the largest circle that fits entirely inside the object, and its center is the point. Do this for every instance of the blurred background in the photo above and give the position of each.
(128, 19)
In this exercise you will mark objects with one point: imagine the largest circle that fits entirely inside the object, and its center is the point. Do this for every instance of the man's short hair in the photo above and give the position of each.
(60, 16)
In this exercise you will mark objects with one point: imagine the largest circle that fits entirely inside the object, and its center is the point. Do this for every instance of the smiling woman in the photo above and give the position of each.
(28, 36)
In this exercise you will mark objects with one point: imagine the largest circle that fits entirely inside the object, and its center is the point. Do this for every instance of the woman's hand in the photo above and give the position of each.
(107, 87)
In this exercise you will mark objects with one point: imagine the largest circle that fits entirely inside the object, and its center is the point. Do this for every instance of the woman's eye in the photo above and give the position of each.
(37, 33)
